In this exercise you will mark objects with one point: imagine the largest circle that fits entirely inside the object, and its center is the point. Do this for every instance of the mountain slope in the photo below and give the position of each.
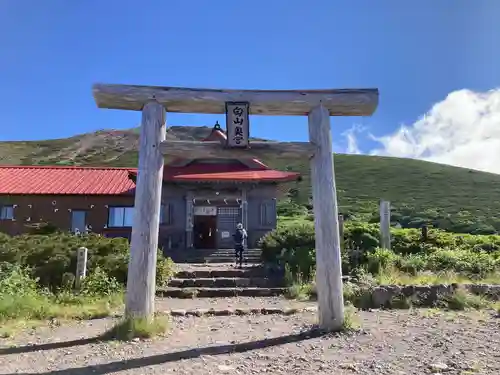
(427, 190)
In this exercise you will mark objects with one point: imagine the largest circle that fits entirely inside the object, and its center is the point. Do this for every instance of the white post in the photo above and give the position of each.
(81, 266)
(385, 224)
(141, 283)
(341, 231)
(328, 261)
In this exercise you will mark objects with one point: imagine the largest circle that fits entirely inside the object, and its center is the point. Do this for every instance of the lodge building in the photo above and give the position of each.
(202, 200)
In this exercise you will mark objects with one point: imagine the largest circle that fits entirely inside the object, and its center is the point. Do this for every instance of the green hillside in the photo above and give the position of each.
(452, 198)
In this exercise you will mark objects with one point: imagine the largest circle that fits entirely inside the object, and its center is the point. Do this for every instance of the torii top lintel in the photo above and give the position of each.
(338, 102)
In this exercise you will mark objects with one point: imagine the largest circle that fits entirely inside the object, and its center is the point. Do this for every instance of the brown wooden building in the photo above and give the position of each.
(71, 198)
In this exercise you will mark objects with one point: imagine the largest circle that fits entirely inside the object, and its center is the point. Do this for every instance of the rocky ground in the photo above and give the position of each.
(389, 342)
(168, 304)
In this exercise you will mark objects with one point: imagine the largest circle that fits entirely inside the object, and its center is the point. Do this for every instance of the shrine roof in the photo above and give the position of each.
(224, 172)
(65, 180)
(75, 180)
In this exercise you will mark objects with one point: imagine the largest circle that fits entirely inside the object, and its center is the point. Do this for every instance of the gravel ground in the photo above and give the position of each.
(390, 342)
(165, 304)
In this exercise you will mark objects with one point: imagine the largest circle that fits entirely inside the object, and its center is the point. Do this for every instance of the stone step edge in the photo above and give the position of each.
(202, 292)
(241, 311)
(229, 282)
(236, 278)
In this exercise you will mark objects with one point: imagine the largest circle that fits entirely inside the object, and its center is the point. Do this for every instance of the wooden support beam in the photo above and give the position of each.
(337, 102)
(326, 223)
(258, 150)
(141, 281)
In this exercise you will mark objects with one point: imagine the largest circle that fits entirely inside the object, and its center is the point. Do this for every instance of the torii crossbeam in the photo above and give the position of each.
(318, 105)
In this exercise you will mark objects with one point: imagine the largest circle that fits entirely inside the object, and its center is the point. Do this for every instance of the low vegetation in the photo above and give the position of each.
(439, 258)
(51, 258)
(466, 256)
(137, 328)
(37, 275)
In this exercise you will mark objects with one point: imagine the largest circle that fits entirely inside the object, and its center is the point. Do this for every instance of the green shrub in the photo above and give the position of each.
(470, 262)
(165, 270)
(22, 298)
(52, 258)
(99, 283)
(293, 243)
(288, 208)
(462, 299)
(380, 259)
(16, 281)
(412, 263)
(297, 236)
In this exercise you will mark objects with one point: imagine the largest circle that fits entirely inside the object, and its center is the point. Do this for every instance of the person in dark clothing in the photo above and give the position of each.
(240, 237)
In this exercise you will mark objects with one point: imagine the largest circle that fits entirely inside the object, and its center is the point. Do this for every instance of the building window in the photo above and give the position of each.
(167, 214)
(228, 211)
(78, 221)
(120, 217)
(267, 214)
(6, 212)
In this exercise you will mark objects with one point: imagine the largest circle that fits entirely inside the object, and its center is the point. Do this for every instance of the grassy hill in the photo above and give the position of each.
(452, 198)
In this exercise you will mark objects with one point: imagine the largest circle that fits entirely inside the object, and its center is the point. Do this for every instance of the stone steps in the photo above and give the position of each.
(207, 272)
(212, 260)
(224, 282)
(174, 292)
(209, 281)
(213, 256)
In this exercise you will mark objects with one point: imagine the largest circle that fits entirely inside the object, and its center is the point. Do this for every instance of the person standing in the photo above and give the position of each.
(240, 237)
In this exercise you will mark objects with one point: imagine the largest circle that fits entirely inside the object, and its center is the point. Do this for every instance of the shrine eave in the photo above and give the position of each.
(243, 176)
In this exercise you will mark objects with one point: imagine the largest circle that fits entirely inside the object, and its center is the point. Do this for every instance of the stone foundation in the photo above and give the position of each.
(418, 295)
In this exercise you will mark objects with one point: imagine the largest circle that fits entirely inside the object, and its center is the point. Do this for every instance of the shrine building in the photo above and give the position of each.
(202, 200)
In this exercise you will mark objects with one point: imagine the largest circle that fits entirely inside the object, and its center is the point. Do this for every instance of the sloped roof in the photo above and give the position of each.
(74, 180)
(65, 180)
(223, 172)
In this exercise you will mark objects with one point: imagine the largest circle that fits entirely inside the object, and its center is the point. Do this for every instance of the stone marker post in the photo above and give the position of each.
(385, 224)
(81, 266)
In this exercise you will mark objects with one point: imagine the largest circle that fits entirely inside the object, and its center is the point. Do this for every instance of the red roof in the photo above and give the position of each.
(224, 172)
(73, 180)
(65, 180)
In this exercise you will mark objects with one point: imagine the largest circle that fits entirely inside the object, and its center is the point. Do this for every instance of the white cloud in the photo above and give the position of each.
(462, 130)
(351, 137)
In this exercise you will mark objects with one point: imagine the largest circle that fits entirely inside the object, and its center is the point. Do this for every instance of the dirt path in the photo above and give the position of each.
(165, 304)
(390, 342)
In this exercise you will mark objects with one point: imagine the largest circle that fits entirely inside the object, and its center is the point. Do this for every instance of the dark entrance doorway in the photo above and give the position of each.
(205, 232)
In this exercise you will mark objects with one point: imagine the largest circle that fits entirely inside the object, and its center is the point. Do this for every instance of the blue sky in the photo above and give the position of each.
(415, 52)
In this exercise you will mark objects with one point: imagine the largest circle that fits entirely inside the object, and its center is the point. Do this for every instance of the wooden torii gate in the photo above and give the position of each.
(318, 105)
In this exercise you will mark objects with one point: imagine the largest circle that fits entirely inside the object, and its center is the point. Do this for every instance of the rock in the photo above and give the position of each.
(224, 312)
(178, 312)
(201, 312)
(349, 366)
(310, 309)
(225, 368)
(272, 310)
(438, 367)
(381, 297)
(290, 311)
